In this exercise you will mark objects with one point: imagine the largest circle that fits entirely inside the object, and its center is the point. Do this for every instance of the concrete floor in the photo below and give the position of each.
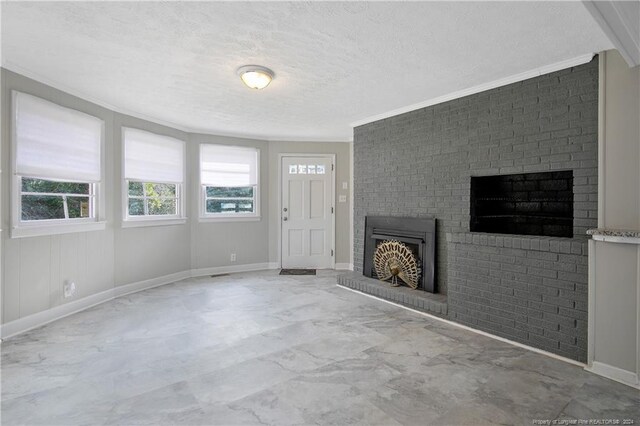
(258, 348)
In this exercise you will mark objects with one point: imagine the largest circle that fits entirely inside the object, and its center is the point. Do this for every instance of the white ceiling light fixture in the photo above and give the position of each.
(255, 76)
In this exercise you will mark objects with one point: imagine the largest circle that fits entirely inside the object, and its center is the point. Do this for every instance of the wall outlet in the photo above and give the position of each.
(342, 199)
(69, 289)
(233, 257)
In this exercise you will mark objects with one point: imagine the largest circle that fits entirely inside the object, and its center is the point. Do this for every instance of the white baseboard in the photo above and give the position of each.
(344, 266)
(230, 269)
(39, 319)
(466, 327)
(614, 373)
(147, 284)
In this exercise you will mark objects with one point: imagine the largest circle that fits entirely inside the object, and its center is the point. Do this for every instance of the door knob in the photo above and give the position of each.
(285, 209)
(285, 219)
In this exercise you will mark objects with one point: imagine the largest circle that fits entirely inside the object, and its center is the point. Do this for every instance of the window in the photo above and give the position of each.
(229, 200)
(152, 199)
(57, 168)
(153, 176)
(303, 169)
(229, 180)
(46, 199)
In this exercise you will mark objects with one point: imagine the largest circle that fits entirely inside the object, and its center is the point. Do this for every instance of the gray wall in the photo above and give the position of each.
(213, 242)
(144, 252)
(531, 290)
(420, 163)
(34, 269)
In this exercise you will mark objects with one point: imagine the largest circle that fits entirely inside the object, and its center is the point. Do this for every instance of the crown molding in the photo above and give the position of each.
(310, 140)
(617, 24)
(480, 88)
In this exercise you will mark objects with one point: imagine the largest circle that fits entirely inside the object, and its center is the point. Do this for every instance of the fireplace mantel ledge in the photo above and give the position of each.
(524, 242)
(615, 235)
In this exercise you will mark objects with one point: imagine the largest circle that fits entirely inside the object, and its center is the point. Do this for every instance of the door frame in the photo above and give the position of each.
(332, 197)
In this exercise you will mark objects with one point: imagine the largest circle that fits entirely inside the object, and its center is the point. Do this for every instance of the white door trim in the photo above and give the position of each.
(332, 197)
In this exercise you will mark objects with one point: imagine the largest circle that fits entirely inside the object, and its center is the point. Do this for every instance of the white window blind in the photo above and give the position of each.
(228, 166)
(54, 142)
(153, 158)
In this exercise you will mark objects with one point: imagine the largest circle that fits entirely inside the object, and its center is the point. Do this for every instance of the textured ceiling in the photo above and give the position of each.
(335, 63)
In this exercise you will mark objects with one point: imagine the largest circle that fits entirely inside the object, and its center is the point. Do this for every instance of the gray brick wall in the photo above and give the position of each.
(419, 164)
(529, 289)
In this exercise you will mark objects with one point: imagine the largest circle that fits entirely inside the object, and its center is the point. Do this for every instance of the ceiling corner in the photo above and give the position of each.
(620, 21)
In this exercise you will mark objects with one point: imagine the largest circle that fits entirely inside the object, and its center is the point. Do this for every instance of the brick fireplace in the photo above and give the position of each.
(528, 288)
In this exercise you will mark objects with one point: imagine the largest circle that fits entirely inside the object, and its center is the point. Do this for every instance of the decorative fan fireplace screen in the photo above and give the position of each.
(393, 260)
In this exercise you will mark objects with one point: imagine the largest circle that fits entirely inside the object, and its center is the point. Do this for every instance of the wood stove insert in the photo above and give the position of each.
(417, 233)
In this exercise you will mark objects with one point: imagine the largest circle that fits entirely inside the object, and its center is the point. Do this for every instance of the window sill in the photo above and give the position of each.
(25, 231)
(135, 223)
(230, 219)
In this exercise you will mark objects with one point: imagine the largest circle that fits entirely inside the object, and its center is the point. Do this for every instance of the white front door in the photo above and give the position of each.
(307, 212)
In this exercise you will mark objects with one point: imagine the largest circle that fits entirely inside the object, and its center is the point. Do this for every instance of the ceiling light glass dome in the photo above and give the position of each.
(255, 76)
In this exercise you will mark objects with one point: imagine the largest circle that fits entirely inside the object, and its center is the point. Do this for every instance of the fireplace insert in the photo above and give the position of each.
(419, 234)
(525, 204)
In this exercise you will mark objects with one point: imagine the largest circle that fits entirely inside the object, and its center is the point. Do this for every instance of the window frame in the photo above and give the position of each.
(35, 228)
(91, 195)
(206, 198)
(204, 216)
(152, 220)
(129, 221)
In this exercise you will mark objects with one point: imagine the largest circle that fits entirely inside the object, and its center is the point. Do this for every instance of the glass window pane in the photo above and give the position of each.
(159, 207)
(48, 186)
(78, 207)
(136, 207)
(302, 169)
(293, 169)
(160, 189)
(41, 207)
(311, 169)
(229, 206)
(320, 169)
(245, 206)
(136, 188)
(218, 192)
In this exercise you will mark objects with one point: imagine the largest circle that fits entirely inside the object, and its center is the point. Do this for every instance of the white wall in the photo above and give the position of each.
(614, 268)
(620, 160)
(117, 259)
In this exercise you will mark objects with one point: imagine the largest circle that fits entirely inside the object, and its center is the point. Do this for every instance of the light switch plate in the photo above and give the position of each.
(345, 185)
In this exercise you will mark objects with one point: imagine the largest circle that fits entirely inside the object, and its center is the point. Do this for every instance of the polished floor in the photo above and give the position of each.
(258, 348)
